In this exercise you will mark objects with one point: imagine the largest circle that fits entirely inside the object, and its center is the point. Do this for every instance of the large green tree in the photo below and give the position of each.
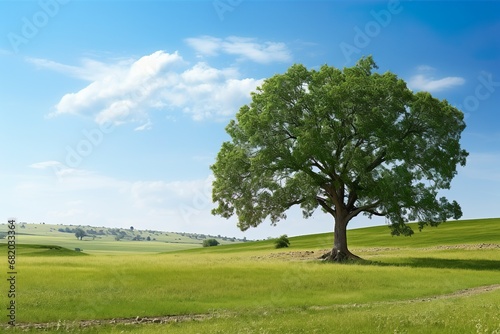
(350, 141)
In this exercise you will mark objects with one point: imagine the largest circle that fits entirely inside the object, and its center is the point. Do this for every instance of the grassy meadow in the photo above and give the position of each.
(102, 240)
(440, 280)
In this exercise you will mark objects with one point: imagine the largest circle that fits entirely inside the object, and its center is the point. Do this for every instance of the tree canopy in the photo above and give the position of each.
(79, 233)
(350, 142)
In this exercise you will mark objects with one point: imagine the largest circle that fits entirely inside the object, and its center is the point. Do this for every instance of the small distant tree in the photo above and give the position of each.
(148, 238)
(210, 242)
(79, 233)
(282, 242)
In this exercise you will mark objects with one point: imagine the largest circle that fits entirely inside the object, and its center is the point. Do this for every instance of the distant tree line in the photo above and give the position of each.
(137, 235)
(87, 232)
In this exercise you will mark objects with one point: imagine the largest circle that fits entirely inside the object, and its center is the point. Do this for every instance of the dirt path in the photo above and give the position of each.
(460, 293)
(61, 325)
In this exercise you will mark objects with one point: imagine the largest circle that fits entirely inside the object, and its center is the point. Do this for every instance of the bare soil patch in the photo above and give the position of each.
(316, 254)
(62, 325)
(461, 293)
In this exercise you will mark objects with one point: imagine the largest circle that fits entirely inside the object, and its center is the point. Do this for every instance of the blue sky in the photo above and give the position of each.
(113, 111)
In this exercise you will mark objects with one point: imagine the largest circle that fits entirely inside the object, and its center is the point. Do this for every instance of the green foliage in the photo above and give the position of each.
(282, 242)
(349, 142)
(79, 233)
(210, 242)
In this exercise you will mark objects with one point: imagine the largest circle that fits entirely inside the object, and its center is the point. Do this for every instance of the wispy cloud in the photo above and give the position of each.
(45, 164)
(146, 126)
(127, 91)
(243, 47)
(177, 204)
(425, 80)
(421, 82)
(89, 70)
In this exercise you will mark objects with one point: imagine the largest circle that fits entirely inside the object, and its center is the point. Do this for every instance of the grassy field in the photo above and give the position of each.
(441, 280)
(105, 242)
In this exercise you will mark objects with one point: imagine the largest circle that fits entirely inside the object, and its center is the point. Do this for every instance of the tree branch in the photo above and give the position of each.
(353, 197)
(374, 164)
(292, 203)
(380, 159)
(290, 136)
(365, 208)
(376, 213)
(316, 163)
(325, 206)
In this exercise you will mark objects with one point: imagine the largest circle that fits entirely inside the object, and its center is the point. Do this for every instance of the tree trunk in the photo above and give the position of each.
(340, 252)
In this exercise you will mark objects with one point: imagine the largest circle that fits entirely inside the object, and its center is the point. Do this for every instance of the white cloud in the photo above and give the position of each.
(127, 91)
(206, 92)
(245, 48)
(45, 164)
(119, 92)
(90, 70)
(205, 45)
(426, 82)
(421, 82)
(146, 126)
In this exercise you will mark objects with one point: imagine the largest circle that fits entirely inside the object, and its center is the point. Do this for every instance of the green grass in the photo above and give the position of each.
(116, 286)
(436, 316)
(35, 234)
(254, 288)
(105, 246)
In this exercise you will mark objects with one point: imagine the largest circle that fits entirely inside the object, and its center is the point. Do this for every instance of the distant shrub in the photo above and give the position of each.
(79, 233)
(282, 242)
(210, 242)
